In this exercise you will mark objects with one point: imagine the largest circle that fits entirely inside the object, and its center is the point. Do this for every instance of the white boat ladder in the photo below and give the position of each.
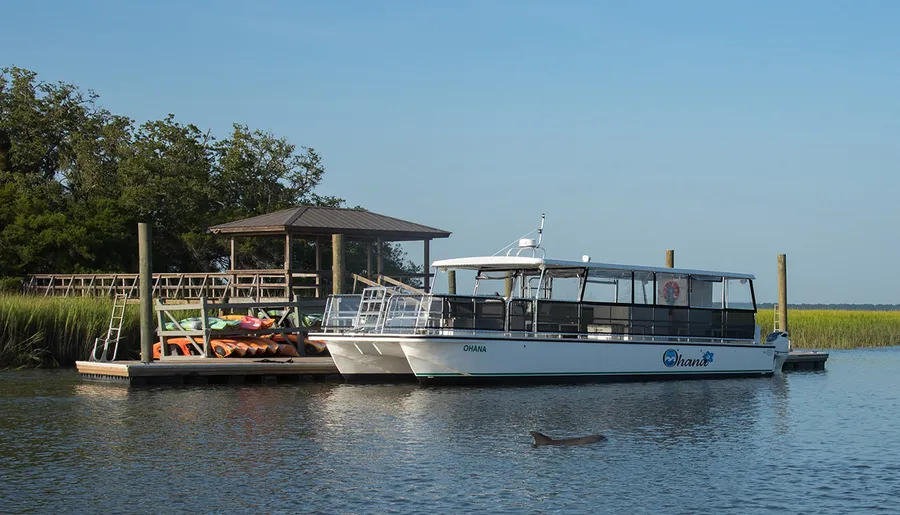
(372, 305)
(113, 333)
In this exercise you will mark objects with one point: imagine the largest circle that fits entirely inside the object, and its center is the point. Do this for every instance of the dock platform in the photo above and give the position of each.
(200, 371)
(805, 360)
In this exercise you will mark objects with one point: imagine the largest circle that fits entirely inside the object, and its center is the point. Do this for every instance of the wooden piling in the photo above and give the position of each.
(319, 268)
(145, 267)
(426, 279)
(670, 258)
(782, 293)
(508, 285)
(451, 282)
(288, 263)
(337, 263)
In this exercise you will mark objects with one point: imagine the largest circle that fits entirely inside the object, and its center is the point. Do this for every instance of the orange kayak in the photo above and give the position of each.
(314, 346)
(279, 338)
(177, 347)
(263, 346)
(286, 349)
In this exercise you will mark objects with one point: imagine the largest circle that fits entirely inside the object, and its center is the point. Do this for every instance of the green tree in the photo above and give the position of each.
(75, 179)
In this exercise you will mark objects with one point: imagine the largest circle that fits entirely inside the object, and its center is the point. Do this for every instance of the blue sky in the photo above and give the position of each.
(729, 131)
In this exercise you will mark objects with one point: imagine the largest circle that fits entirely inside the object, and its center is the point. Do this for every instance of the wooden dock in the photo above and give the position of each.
(805, 360)
(201, 371)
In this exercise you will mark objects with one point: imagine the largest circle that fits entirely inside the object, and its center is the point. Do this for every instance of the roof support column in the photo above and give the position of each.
(427, 267)
(318, 267)
(380, 259)
(369, 259)
(288, 260)
(232, 263)
(337, 263)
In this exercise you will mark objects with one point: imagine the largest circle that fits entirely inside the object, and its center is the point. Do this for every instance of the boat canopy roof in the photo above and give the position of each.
(507, 263)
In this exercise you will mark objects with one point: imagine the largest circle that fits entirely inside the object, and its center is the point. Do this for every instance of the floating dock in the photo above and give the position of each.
(201, 371)
(805, 360)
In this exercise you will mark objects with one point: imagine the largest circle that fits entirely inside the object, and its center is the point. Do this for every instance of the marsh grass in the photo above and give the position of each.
(56, 332)
(837, 329)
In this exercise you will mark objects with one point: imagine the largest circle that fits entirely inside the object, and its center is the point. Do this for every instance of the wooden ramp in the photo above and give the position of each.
(194, 370)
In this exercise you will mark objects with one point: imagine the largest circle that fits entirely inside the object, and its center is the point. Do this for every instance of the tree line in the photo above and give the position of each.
(75, 179)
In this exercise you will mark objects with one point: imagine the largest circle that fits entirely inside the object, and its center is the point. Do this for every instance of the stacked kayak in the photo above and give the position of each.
(222, 323)
(227, 345)
(230, 347)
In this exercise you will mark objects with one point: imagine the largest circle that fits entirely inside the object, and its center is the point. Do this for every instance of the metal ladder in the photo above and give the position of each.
(371, 307)
(114, 333)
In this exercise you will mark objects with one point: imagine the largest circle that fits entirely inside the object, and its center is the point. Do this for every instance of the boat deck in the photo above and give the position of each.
(193, 370)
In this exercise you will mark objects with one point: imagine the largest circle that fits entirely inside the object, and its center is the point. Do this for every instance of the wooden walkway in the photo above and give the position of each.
(193, 370)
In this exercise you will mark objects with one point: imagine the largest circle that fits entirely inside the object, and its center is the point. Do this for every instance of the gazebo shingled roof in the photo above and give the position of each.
(314, 220)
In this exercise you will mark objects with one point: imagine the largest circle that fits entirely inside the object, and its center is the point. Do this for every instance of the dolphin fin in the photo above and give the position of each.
(540, 439)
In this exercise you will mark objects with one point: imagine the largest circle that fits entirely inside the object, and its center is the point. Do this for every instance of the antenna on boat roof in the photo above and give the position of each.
(541, 231)
(518, 242)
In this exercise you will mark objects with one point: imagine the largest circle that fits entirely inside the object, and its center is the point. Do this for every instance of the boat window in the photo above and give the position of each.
(706, 292)
(608, 286)
(737, 294)
(561, 286)
(493, 284)
(643, 287)
(671, 289)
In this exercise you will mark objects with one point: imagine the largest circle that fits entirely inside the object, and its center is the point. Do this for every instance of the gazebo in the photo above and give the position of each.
(314, 223)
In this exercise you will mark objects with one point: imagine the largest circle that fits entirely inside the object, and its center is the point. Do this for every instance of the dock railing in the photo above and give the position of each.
(255, 284)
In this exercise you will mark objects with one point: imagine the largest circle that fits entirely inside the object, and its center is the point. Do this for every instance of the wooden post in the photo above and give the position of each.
(670, 259)
(337, 263)
(232, 263)
(451, 282)
(508, 285)
(318, 267)
(145, 267)
(782, 293)
(380, 258)
(369, 245)
(427, 267)
(288, 261)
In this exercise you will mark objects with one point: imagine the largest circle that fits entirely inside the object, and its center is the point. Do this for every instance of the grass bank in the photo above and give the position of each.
(837, 329)
(56, 332)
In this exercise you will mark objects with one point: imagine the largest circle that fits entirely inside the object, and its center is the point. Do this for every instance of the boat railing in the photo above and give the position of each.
(424, 313)
(396, 312)
(599, 318)
(341, 312)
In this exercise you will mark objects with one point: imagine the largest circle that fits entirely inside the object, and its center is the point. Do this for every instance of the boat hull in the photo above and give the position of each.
(460, 360)
(364, 359)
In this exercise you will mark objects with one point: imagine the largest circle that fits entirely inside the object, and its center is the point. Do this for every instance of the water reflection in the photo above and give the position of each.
(697, 446)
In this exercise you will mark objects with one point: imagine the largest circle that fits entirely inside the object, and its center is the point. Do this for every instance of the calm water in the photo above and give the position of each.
(812, 442)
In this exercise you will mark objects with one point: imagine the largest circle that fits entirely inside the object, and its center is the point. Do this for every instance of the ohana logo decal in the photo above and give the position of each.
(672, 358)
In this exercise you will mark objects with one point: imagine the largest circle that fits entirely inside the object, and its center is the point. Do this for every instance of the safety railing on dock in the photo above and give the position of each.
(256, 284)
(217, 286)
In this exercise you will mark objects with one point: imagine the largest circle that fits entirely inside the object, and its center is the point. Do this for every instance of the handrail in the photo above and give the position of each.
(391, 280)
